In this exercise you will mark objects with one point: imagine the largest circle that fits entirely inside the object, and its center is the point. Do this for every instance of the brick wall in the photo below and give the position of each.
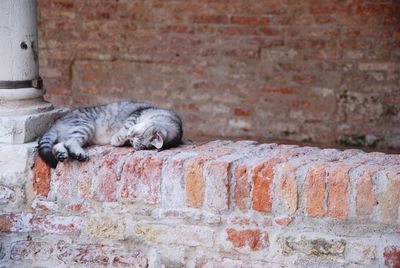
(216, 204)
(309, 71)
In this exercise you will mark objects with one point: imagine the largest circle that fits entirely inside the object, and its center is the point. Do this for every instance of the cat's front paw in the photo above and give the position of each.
(61, 156)
(83, 156)
(117, 140)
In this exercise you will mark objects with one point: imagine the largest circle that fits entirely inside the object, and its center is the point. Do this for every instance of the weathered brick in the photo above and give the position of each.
(205, 261)
(41, 178)
(365, 196)
(262, 179)
(49, 224)
(361, 253)
(6, 195)
(172, 184)
(106, 228)
(188, 235)
(315, 191)
(252, 238)
(206, 18)
(30, 250)
(195, 183)
(249, 20)
(217, 186)
(242, 188)
(392, 256)
(99, 254)
(108, 174)
(284, 221)
(389, 201)
(142, 178)
(338, 198)
(286, 188)
(321, 248)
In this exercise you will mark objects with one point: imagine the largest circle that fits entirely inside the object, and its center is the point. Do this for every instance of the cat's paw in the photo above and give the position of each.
(83, 156)
(117, 140)
(60, 152)
(62, 155)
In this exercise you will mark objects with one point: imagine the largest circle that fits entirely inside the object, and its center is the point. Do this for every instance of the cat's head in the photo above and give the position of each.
(144, 137)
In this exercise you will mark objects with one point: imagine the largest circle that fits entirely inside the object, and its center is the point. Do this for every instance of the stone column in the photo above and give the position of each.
(24, 115)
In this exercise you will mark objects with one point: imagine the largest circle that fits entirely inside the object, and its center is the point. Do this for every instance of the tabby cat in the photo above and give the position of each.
(139, 124)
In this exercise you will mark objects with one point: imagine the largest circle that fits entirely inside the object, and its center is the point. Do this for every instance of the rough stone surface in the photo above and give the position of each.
(314, 247)
(26, 128)
(212, 204)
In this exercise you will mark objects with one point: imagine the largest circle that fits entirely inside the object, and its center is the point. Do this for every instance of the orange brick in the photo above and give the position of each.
(365, 196)
(242, 188)
(255, 239)
(262, 178)
(314, 190)
(338, 201)
(41, 178)
(195, 183)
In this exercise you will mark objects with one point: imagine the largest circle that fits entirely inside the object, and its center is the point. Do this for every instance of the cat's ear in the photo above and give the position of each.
(157, 141)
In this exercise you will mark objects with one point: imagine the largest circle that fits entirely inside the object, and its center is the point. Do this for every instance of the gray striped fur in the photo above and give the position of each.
(141, 125)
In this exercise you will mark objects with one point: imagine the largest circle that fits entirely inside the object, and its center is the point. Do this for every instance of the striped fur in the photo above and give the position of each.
(141, 125)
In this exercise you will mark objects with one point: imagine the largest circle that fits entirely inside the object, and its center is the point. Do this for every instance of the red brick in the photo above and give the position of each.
(242, 188)
(392, 257)
(205, 18)
(107, 174)
(49, 224)
(141, 178)
(243, 53)
(151, 177)
(315, 191)
(262, 179)
(249, 20)
(241, 112)
(6, 222)
(254, 239)
(279, 90)
(195, 183)
(234, 30)
(41, 178)
(377, 9)
(330, 9)
(185, 29)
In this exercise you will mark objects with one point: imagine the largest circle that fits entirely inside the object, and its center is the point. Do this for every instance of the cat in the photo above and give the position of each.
(139, 124)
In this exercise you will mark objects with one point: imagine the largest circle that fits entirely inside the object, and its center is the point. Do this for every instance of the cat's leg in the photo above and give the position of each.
(75, 150)
(121, 137)
(60, 152)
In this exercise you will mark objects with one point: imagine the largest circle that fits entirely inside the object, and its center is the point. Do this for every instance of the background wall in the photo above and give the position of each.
(310, 71)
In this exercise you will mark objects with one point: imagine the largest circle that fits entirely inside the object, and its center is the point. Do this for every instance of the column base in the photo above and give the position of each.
(25, 128)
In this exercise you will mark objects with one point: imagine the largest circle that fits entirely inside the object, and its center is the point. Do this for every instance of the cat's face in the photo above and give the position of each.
(146, 138)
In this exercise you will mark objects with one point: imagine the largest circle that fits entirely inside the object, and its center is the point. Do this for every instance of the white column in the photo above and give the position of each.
(24, 115)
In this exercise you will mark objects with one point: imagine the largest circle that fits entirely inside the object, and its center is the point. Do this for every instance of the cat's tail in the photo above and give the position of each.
(45, 147)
